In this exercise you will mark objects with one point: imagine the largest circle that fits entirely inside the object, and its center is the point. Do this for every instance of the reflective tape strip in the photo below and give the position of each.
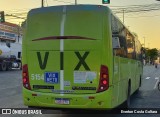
(62, 48)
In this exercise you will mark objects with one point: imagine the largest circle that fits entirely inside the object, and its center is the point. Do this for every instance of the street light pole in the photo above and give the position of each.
(144, 42)
(148, 45)
(75, 2)
(42, 3)
(123, 16)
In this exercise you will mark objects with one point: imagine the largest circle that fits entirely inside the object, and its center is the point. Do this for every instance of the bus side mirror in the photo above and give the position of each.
(116, 43)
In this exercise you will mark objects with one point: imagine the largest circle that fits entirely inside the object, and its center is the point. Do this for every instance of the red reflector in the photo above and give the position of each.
(90, 97)
(104, 82)
(34, 94)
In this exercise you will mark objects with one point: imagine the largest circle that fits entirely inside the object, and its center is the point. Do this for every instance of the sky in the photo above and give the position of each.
(145, 24)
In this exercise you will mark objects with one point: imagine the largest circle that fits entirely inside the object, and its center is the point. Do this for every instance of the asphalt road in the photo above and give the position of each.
(147, 97)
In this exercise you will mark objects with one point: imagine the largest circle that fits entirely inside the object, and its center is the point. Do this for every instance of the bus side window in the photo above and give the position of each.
(130, 46)
(120, 52)
(118, 30)
(138, 49)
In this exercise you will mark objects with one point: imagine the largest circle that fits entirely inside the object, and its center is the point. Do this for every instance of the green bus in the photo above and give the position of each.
(79, 56)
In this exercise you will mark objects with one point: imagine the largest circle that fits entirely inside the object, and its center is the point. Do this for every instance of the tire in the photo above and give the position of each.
(32, 107)
(159, 86)
(20, 65)
(9, 67)
(3, 66)
(140, 83)
(128, 101)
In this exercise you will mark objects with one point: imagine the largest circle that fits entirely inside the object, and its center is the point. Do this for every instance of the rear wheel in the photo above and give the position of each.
(31, 107)
(9, 66)
(159, 86)
(3, 66)
(128, 101)
(34, 107)
(20, 65)
(140, 83)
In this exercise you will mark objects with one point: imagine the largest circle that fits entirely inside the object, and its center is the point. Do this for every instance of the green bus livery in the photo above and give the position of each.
(79, 56)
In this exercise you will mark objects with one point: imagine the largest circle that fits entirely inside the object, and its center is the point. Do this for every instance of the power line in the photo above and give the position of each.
(15, 16)
(135, 5)
(63, 1)
(133, 10)
(142, 8)
(143, 16)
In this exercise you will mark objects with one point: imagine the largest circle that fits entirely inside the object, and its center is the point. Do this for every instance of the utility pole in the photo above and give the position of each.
(75, 2)
(144, 42)
(42, 3)
(18, 33)
(123, 16)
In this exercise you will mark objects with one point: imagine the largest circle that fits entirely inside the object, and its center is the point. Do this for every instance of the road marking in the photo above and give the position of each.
(156, 84)
(157, 78)
(148, 77)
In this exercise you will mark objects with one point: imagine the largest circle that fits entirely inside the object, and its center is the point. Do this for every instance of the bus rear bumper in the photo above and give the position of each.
(82, 101)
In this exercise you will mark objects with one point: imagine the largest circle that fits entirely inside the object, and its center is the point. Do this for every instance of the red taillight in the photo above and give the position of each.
(104, 79)
(25, 77)
(104, 82)
(24, 80)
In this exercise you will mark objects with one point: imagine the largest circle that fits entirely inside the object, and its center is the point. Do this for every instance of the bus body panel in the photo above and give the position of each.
(82, 56)
(85, 101)
(125, 70)
(73, 42)
(37, 75)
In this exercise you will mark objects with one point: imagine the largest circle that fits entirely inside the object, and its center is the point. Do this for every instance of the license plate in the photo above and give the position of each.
(52, 77)
(61, 101)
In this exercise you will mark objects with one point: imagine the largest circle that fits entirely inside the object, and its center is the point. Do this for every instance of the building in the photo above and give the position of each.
(10, 33)
(10, 46)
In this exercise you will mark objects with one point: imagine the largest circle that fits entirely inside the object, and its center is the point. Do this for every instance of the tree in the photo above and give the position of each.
(23, 24)
(151, 54)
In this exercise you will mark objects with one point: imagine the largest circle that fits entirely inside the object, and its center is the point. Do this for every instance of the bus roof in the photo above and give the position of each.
(69, 8)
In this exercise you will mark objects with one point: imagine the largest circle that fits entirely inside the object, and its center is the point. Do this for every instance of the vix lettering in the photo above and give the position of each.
(42, 65)
(81, 62)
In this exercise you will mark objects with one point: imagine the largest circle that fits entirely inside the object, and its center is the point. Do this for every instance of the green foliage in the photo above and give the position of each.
(2, 17)
(23, 24)
(151, 53)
